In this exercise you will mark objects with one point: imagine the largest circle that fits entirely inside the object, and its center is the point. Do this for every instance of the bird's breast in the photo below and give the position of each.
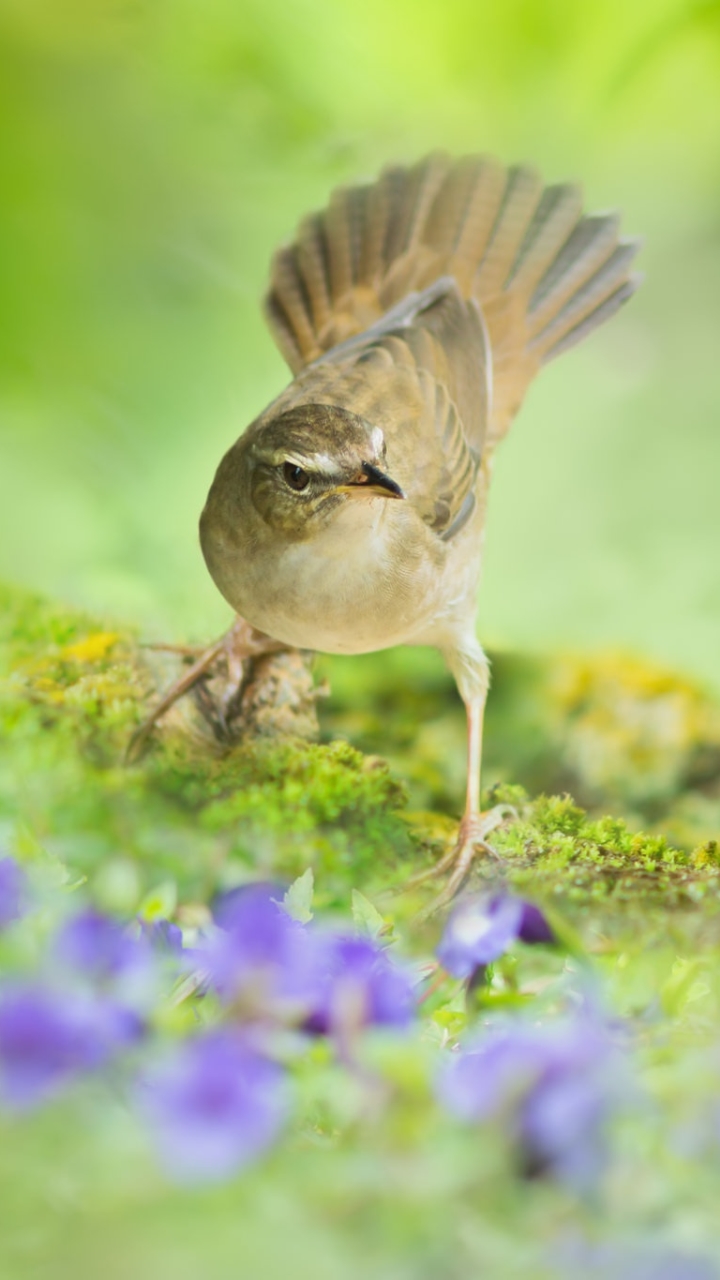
(370, 579)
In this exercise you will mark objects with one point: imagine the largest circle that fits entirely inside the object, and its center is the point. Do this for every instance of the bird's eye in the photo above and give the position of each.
(295, 477)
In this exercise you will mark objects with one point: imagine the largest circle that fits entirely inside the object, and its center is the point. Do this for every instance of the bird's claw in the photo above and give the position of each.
(471, 842)
(239, 643)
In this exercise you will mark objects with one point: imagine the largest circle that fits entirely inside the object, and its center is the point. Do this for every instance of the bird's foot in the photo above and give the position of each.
(471, 843)
(223, 662)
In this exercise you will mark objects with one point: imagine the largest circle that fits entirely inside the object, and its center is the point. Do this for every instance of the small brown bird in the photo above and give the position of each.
(413, 314)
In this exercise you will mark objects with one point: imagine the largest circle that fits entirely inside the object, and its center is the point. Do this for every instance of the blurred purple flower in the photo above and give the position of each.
(103, 956)
(13, 891)
(231, 908)
(634, 1261)
(534, 927)
(555, 1085)
(267, 965)
(98, 947)
(258, 957)
(215, 1106)
(48, 1036)
(481, 929)
(477, 932)
(358, 985)
(162, 936)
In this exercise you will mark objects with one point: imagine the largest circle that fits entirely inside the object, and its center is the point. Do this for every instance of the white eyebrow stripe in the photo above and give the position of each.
(377, 440)
(316, 463)
(321, 463)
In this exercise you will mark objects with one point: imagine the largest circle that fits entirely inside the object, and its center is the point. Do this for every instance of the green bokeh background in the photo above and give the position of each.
(154, 152)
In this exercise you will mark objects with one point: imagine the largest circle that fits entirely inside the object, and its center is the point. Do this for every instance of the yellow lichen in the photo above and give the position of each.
(91, 648)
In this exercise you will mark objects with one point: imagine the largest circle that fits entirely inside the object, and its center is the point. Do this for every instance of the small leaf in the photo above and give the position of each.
(366, 917)
(683, 986)
(160, 903)
(298, 899)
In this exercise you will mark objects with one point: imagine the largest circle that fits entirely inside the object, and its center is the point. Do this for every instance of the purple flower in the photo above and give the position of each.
(163, 936)
(13, 891)
(259, 959)
(98, 947)
(267, 965)
(534, 927)
(102, 956)
(47, 1037)
(358, 985)
(232, 909)
(213, 1107)
(631, 1262)
(554, 1084)
(477, 932)
(480, 930)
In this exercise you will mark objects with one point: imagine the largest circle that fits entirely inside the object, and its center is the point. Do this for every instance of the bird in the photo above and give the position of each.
(413, 313)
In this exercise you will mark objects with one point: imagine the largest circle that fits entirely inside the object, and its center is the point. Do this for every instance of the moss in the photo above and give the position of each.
(556, 851)
(71, 694)
(706, 855)
(197, 816)
(621, 735)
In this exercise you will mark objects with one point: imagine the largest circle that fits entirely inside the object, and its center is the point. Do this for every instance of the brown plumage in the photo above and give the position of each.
(543, 275)
(413, 313)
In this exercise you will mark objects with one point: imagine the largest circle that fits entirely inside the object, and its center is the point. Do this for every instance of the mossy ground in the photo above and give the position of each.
(74, 689)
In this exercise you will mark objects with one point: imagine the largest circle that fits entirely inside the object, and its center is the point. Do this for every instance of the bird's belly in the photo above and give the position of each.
(343, 597)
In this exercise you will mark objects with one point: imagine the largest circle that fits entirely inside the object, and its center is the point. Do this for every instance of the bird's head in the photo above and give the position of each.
(296, 469)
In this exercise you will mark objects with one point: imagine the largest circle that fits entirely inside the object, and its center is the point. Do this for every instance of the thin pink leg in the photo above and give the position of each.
(475, 826)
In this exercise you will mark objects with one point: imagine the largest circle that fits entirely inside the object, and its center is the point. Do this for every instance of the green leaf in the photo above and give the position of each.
(298, 899)
(160, 903)
(366, 917)
(683, 987)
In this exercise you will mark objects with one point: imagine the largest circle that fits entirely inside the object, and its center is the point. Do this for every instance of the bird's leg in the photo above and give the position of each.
(475, 825)
(234, 648)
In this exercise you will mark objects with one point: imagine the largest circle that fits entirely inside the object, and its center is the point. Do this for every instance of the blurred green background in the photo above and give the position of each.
(154, 152)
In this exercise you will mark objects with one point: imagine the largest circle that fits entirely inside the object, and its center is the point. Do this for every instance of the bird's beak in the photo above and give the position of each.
(371, 480)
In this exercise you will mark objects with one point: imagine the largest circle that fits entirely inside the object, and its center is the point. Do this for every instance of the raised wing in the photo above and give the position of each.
(543, 275)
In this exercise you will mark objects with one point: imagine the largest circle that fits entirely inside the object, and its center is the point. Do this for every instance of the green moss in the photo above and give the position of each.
(602, 874)
(73, 690)
(72, 693)
(621, 735)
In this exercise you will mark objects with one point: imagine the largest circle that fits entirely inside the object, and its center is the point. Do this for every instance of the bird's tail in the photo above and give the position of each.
(543, 274)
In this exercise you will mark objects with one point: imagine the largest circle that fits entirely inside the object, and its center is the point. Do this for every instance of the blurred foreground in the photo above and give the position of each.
(552, 1103)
